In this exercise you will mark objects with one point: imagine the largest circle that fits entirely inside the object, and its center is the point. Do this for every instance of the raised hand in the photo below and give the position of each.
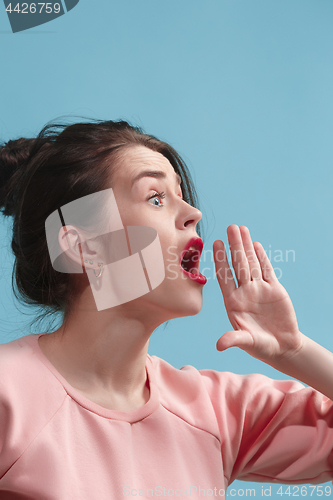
(259, 309)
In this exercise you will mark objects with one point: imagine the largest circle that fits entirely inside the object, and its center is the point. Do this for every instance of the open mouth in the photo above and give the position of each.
(189, 260)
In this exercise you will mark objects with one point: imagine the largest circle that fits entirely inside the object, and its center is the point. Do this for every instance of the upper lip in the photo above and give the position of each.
(196, 242)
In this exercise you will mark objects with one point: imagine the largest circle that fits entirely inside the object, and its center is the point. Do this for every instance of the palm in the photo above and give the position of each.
(259, 310)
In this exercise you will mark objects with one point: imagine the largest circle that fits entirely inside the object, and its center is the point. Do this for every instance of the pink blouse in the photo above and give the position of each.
(199, 429)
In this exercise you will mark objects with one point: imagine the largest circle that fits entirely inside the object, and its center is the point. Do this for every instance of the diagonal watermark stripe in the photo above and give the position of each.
(70, 4)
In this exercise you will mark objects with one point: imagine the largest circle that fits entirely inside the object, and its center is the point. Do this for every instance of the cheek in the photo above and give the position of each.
(169, 250)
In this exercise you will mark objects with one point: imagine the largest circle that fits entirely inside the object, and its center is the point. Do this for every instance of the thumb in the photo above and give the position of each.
(236, 338)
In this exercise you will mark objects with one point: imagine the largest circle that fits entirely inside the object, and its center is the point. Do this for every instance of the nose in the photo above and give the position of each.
(188, 216)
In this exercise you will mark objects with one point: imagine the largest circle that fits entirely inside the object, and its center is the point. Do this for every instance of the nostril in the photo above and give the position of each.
(188, 222)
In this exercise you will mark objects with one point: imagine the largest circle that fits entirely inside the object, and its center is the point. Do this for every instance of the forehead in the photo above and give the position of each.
(139, 159)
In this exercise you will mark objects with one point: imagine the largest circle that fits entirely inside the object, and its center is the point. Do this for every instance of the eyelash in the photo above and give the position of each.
(158, 195)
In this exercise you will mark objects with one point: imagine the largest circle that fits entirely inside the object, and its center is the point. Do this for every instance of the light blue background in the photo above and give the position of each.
(243, 90)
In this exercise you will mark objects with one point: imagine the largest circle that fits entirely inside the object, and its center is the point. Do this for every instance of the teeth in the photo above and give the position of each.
(191, 249)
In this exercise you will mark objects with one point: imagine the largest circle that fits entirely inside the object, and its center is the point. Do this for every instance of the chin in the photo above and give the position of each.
(189, 306)
(193, 306)
(175, 307)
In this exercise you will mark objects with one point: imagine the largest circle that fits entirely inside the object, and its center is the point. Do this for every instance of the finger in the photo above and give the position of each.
(223, 271)
(239, 260)
(254, 265)
(236, 338)
(267, 270)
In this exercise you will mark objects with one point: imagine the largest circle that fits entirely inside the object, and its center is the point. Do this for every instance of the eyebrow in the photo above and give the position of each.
(158, 174)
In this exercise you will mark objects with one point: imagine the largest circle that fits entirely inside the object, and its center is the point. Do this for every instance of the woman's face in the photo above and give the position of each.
(174, 220)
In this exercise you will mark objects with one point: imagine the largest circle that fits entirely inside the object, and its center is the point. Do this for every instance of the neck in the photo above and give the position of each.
(104, 352)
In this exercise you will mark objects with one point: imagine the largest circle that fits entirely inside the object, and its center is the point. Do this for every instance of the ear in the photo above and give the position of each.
(73, 242)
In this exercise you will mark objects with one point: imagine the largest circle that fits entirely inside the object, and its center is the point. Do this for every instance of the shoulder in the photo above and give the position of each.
(22, 371)
(182, 393)
(217, 398)
(17, 366)
(214, 383)
(196, 396)
(29, 398)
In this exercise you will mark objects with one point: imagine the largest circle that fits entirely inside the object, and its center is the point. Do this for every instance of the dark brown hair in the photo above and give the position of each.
(39, 175)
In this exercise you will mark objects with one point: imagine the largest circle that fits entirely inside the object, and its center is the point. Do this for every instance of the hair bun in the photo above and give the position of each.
(13, 156)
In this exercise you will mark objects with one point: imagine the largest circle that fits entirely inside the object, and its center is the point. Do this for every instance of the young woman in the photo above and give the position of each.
(85, 412)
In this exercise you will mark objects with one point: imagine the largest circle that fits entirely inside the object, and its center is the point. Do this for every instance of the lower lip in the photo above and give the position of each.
(199, 278)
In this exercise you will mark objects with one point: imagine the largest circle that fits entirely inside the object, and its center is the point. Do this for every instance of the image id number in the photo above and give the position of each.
(304, 491)
(34, 8)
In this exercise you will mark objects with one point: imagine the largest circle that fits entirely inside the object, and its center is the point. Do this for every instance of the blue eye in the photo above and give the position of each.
(157, 195)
